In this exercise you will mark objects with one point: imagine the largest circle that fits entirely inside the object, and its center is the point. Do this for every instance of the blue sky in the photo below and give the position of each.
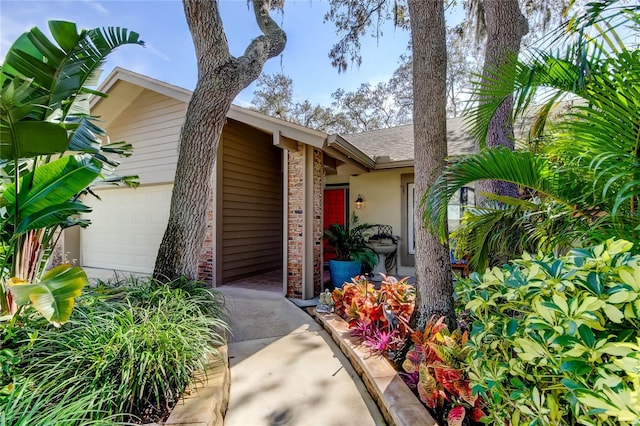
(169, 54)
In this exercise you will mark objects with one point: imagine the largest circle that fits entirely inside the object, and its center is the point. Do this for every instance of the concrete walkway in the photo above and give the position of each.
(286, 370)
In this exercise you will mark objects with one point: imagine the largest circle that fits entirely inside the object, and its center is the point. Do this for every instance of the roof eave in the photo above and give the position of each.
(400, 164)
(121, 74)
(340, 144)
(272, 125)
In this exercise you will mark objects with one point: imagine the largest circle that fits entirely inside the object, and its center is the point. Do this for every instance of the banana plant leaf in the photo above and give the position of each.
(54, 296)
(62, 71)
(51, 216)
(53, 184)
(33, 138)
(84, 135)
(24, 138)
(44, 86)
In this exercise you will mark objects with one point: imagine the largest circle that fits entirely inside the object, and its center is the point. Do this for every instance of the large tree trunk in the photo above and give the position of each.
(505, 28)
(220, 78)
(434, 286)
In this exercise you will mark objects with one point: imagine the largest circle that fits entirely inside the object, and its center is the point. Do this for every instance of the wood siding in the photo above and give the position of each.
(251, 210)
(151, 123)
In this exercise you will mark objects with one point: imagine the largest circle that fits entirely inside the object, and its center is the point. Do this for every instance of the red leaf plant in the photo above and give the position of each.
(438, 356)
(363, 306)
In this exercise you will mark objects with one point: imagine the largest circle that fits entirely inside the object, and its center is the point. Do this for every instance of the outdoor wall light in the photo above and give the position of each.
(359, 202)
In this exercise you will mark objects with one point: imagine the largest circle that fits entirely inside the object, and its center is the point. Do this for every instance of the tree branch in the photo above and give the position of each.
(352, 23)
(263, 47)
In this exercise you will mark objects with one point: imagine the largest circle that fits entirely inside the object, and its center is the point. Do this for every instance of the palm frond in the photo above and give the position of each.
(561, 66)
(493, 233)
(521, 168)
(593, 149)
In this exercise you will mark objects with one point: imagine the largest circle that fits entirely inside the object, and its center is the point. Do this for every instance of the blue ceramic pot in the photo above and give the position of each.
(342, 271)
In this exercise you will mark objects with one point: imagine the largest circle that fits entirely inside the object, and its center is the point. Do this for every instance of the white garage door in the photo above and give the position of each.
(126, 228)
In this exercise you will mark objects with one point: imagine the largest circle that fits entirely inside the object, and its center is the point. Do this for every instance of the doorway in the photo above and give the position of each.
(335, 211)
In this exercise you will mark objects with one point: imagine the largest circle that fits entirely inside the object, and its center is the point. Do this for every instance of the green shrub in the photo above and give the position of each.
(554, 341)
(26, 405)
(133, 347)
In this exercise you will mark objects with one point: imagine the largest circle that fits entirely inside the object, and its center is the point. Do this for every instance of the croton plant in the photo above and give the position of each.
(364, 306)
(359, 300)
(433, 367)
(438, 358)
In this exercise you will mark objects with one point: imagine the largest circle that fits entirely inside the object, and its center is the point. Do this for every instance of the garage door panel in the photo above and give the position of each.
(127, 228)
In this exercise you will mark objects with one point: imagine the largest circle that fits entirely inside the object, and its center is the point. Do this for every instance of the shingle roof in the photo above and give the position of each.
(397, 142)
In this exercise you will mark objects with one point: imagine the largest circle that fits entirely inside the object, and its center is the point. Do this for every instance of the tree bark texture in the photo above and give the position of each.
(505, 28)
(434, 285)
(220, 78)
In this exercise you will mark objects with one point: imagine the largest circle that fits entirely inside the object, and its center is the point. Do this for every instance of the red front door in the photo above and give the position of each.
(335, 211)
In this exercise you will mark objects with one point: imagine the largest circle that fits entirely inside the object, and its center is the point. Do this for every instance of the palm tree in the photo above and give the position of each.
(580, 177)
(50, 153)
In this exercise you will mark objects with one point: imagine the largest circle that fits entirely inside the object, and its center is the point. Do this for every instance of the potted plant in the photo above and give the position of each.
(350, 244)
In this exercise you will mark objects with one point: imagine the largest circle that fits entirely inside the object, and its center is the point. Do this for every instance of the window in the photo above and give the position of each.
(460, 200)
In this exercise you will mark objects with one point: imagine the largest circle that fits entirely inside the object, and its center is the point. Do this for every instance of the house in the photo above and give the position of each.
(385, 182)
(276, 184)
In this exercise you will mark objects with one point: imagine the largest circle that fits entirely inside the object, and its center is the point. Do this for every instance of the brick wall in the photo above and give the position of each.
(318, 195)
(295, 220)
(206, 266)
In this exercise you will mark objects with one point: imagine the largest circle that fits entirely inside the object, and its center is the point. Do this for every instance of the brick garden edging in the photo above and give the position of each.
(206, 401)
(398, 404)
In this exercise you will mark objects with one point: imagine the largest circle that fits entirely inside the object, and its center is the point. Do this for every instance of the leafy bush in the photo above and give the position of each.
(554, 341)
(363, 306)
(359, 300)
(132, 347)
(579, 175)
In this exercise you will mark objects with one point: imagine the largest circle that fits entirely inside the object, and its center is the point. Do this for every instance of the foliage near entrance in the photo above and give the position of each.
(359, 300)
(350, 241)
(364, 306)
(555, 340)
(51, 152)
(438, 358)
(128, 351)
(580, 176)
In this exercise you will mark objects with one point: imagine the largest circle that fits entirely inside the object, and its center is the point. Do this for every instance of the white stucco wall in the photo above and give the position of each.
(382, 194)
(381, 191)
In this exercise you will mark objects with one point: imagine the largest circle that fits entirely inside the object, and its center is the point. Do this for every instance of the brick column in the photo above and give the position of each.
(295, 220)
(318, 196)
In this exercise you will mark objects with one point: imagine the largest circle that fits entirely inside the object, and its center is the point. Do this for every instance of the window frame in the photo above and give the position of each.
(407, 242)
(406, 257)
